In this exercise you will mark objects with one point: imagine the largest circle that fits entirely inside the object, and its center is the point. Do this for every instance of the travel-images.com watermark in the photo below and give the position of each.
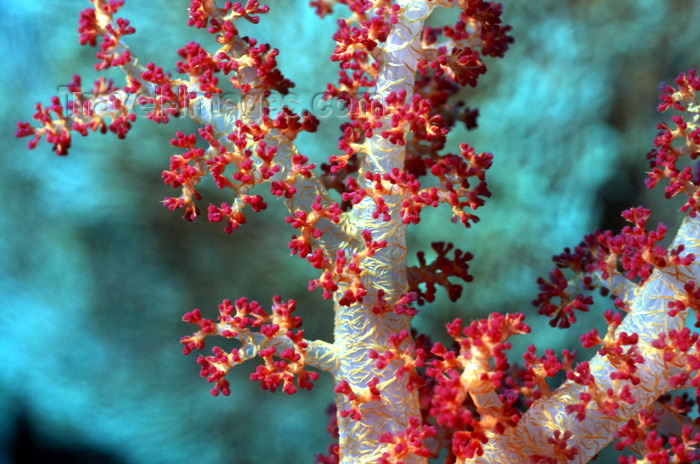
(187, 103)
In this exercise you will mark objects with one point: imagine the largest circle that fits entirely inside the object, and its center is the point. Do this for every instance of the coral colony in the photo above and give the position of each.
(399, 397)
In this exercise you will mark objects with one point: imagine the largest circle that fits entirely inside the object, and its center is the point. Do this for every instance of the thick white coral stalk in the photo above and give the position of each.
(358, 329)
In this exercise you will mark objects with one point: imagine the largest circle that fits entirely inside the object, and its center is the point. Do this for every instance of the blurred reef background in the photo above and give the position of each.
(96, 274)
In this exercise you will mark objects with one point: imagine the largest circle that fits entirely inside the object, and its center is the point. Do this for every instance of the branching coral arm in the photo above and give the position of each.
(648, 353)
(275, 337)
(240, 134)
(648, 317)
